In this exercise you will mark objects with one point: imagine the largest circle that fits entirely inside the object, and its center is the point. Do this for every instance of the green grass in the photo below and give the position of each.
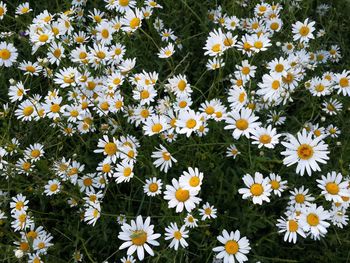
(188, 18)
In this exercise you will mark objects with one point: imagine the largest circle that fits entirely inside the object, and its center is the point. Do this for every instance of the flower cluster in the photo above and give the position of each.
(133, 121)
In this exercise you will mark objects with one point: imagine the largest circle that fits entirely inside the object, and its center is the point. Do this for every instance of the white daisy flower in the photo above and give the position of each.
(291, 228)
(181, 198)
(266, 137)
(52, 187)
(313, 220)
(300, 198)
(138, 236)
(153, 186)
(8, 54)
(164, 159)
(207, 211)
(234, 247)
(306, 152)
(176, 235)
(303, 31)
(277, 185)
(92, 213)
(192, 179)
(188, 121)
(259, 188)
(333, 187)
(242, 122)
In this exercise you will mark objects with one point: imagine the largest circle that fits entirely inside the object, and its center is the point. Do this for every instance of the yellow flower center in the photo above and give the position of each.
(95, 213)
(304, 31)
(97, 19)
(26, 166)
(177, 235)
(127, 171)
(344, 82)
(105, 33)
(138, 237)
(317, 133)
(332, 188)
(216, 48)
(228, 42)
(265, 139)
(124, 2)
(256, 189)
(166, 156)
(55, 108)
(82, 55)
(194, 181)
(110, 148)
(300, 198)
(5, 54)
(57, 53)
(32, 234)
(156, 128)
(319, 88)
(182, 195)
(87, 181)
(135, 22)
(168, 53)
(255, 25)
(279, 68)
(79, 39)
(153, 187)
(312, 219)
(288, 79)
(181, 85)
(24, 246)
(209, 110)
(53, 187)
(293, 225)
(275, 184)
(106, 168)
(100, 54)
(74, 113)
(242, 124)
(182, 104)
(191, 123)
(275, 85)
(245, 70)
(41, 245)
(258, 44)
(274, 26)
(104, 105)
(43, 38)
(305, 151)
(22, 218)
(144, 94)
(19, 205)
(68, 79)
(35, 153)
(218, 114)
(262, 8)
(118, 104)
(247, 46)
(207, 211)
(231, 247)
(30, 69)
